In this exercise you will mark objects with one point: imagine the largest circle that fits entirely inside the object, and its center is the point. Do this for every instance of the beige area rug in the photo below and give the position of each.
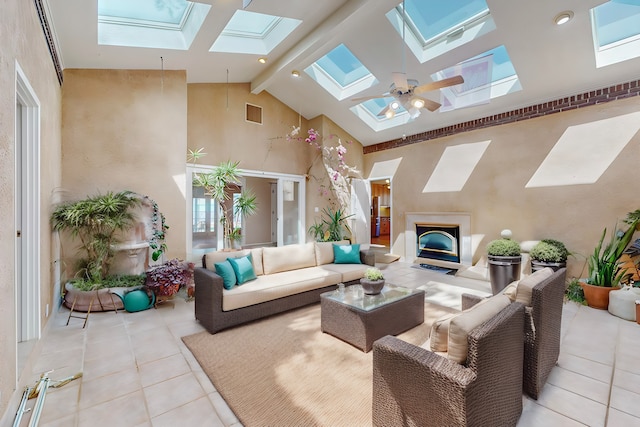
(282, 371)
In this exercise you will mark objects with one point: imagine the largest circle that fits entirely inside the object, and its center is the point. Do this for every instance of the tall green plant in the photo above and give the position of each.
(332, 227)
(95, 221)
(604, 262)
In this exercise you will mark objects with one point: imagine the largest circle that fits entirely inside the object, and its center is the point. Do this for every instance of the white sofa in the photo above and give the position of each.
(287, 277)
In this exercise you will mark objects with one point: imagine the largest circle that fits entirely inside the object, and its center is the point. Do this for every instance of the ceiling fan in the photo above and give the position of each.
(407, 91)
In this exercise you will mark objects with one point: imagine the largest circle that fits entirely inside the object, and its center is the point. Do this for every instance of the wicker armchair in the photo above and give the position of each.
(542, 330)
(416, 387)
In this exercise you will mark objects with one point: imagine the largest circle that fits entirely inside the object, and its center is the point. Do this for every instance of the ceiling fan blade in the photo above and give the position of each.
(400, 81)
(429, 104)
(451, 81)
(366, 98)
(384, 111)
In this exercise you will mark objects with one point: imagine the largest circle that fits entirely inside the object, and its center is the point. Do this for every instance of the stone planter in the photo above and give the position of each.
(597, 296)
(503, 270)
(372, 287)
(102, 299)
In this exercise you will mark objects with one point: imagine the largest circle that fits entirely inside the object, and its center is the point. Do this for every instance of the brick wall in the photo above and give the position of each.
(612, 93)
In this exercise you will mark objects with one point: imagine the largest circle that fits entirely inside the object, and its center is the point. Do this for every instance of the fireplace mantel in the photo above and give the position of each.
(462, 219)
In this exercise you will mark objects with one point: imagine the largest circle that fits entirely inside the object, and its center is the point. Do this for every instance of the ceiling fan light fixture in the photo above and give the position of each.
(389, 114)
(394, 105)
(563, 17)
(417, 103)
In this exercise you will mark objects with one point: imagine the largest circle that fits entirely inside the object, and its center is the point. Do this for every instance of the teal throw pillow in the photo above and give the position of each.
(225, 270)
(346, 254)
(243, 267)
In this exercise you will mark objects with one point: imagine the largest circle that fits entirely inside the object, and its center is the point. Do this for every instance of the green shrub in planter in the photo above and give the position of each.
(503, 247)
(549, 250)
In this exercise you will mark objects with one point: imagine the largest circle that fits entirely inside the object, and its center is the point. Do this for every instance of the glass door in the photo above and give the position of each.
(289, 194)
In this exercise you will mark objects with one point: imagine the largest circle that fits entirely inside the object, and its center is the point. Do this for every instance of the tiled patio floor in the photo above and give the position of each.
(137, 372)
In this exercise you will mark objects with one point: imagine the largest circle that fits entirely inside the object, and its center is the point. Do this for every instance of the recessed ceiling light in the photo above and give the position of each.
(563, 17)
(262, 60)
(295, 73)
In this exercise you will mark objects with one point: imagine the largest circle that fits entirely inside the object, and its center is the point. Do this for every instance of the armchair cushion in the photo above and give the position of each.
(526, 285)
(461, 325)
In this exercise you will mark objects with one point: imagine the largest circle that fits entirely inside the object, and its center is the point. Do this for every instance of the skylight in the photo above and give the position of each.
(253, 33)
(161, 12)
(616, 31)
(434, 27)
(169, 24)
(486, 76)
(340, 73)
(371, 112)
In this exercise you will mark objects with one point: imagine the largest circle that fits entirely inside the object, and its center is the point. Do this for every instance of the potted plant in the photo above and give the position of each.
(504, 262)
(549, 253)
(373, 281)
(218, 184)
(166, 280)
(605, 273)
(333, 226)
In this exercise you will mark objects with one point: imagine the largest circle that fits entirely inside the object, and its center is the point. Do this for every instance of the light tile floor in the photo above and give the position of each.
(137, 372)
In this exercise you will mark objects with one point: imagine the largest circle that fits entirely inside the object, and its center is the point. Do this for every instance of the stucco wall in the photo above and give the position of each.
(22, 41)
(495, 193)
(126, 130)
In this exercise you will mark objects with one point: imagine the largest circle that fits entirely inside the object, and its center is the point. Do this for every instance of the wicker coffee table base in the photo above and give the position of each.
(361, 328)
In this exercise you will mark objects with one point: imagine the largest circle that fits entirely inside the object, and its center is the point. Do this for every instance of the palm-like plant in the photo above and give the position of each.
(332, 227)
(216, 184)
(604, 263)
(95, 221)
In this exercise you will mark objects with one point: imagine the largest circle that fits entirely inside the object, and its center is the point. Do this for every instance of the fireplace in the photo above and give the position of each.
(438, 241)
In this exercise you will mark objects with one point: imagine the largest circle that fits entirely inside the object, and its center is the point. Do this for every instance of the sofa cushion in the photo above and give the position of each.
(225, 270)
(346, 254)
(277, 285)
(526, 285)
(324, 251)
(349, 272)
(243, 267)
(219, 256)
(289, 257)
(461, 325)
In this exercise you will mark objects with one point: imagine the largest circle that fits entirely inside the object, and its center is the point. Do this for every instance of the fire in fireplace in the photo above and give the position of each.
(438, 241)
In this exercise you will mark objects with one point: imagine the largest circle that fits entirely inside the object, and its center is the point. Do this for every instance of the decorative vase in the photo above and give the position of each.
(597, 296)
(372, 287)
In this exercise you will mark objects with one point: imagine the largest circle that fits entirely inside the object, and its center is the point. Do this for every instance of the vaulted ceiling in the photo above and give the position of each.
(551, 61)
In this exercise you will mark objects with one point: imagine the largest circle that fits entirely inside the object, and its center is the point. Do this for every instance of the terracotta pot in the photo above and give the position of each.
(597, 296)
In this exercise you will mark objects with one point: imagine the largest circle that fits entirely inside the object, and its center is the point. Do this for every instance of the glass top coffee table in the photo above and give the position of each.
(361, 319)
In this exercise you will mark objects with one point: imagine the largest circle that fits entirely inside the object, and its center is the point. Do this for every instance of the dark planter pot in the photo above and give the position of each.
(503, 270)
(597, 296)
(372, 287)
(539, 265)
